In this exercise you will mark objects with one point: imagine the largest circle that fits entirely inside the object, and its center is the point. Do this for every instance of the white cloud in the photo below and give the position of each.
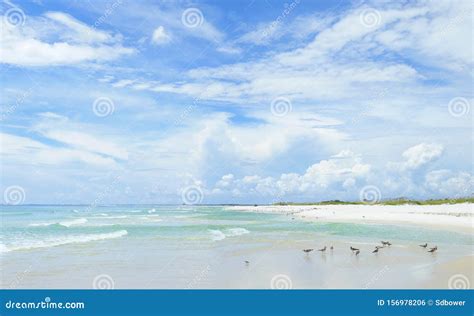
(77, 31)
(225, 181)
(297, 28)
(343, 175)
(60, 129)
(160, 36)
(344, 55)
(19, 150)
(206, 31)
(322, 177)
(37, 44)
(228, 49)
(450, 184)
(421, 154)
(123, 83)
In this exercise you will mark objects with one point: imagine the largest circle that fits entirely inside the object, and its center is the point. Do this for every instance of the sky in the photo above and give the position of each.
(239, 101)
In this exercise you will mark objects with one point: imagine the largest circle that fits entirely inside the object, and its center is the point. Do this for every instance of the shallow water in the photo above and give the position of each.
(202, 247)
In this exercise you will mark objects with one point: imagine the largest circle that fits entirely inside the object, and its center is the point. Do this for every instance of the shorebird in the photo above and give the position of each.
(247, 262)
(376, 250)
(386, 243)
(322, 249)
(307, 250)
(357, 252)
(332, 248)
(424, 246)
(354, 249)
(433, 249)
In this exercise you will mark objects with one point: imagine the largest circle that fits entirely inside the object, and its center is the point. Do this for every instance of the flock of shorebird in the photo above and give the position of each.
(356, 251)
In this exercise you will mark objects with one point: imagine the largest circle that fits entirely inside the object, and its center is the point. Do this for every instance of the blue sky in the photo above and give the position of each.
(235, 101)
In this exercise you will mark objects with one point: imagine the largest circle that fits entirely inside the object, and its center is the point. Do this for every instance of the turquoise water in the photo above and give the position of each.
(26, 228)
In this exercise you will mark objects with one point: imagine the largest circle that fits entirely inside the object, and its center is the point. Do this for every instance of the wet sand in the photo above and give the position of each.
(279, 264)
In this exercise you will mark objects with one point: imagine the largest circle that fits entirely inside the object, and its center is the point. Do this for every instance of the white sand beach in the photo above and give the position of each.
(453, 217)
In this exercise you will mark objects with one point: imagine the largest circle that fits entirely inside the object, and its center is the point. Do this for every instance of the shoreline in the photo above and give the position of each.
(452, 217)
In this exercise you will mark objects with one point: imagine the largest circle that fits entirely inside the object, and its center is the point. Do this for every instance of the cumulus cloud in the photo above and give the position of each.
(449, 183)
(344, 174)
(341, 170)
(421, 154)
(160, 36)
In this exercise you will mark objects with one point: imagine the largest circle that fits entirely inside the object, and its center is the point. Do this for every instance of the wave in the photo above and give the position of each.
(152, 218)
(101, 224)
(74, 222)
(116, 217)
(16, 214)
(217, 235)
(152, 211)
(52, 242)
(42, 224)
(236, 231)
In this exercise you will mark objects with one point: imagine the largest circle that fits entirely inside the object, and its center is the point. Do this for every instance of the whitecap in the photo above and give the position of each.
(216, 235)
(3, 248)
(230, 232)
(116, 217)
(42, 224)
(236, 231)
(52, 242)
(152, 211)
(75, 222)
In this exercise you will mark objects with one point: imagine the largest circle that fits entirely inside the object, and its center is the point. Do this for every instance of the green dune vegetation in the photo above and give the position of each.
(397, 201)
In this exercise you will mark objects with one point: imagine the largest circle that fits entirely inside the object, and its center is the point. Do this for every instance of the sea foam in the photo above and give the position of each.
(217, 235)
(74, 222)
(70, 223)
(52, 242)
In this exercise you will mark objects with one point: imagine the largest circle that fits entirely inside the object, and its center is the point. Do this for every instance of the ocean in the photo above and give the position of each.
(159, 246)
